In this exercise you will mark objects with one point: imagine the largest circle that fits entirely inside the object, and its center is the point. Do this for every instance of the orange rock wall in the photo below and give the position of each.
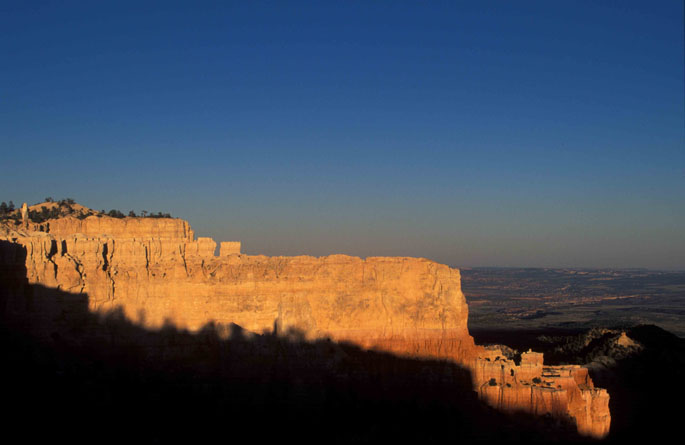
(93, 226)
(407, 305)
(532, 387)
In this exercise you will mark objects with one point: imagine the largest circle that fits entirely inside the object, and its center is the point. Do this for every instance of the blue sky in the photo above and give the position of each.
(471, 133)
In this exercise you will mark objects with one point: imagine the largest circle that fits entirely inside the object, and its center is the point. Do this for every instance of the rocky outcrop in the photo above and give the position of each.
(156, 273)
(532, 387)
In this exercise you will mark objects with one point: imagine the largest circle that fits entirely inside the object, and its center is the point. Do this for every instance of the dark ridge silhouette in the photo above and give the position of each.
(75, 376)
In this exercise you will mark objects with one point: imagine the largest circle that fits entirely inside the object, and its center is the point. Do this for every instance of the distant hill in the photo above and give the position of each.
(51, 209)
(61, 208)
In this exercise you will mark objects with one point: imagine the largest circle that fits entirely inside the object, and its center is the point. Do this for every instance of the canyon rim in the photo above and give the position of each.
(156, 273)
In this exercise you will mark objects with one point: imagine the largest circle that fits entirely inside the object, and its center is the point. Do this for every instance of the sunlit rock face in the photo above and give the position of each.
(94, 226)
(404, 304)
(156, 272)
(533, 387)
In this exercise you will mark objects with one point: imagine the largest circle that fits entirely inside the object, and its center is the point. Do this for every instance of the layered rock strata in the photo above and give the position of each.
(157, 273)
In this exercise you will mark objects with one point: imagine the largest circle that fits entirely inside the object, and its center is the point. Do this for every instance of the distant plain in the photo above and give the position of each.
(573, 299)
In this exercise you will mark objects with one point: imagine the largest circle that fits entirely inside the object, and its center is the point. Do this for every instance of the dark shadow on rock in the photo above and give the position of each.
(70, 375)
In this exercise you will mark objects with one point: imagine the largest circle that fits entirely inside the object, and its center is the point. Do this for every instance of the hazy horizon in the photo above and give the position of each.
(527, 134)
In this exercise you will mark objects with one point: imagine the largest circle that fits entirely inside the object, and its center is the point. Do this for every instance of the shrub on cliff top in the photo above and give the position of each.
(6, 209)
(115, 214)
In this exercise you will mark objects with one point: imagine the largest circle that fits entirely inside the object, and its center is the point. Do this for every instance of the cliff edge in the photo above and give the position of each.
(157, 273)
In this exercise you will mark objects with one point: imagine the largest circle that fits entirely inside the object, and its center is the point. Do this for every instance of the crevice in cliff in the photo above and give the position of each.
(203, 268)
(78, 267)
(106, 265)
(51, 254)
(182, 251)
(147, 261)
(105, 261)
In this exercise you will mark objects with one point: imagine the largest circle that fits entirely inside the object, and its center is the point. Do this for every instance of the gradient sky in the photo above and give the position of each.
(471, 133)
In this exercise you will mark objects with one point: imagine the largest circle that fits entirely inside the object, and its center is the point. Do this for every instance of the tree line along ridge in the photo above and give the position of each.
(68, 207)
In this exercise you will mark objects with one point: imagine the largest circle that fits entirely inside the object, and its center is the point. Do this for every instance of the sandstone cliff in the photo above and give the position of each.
(157, 273)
